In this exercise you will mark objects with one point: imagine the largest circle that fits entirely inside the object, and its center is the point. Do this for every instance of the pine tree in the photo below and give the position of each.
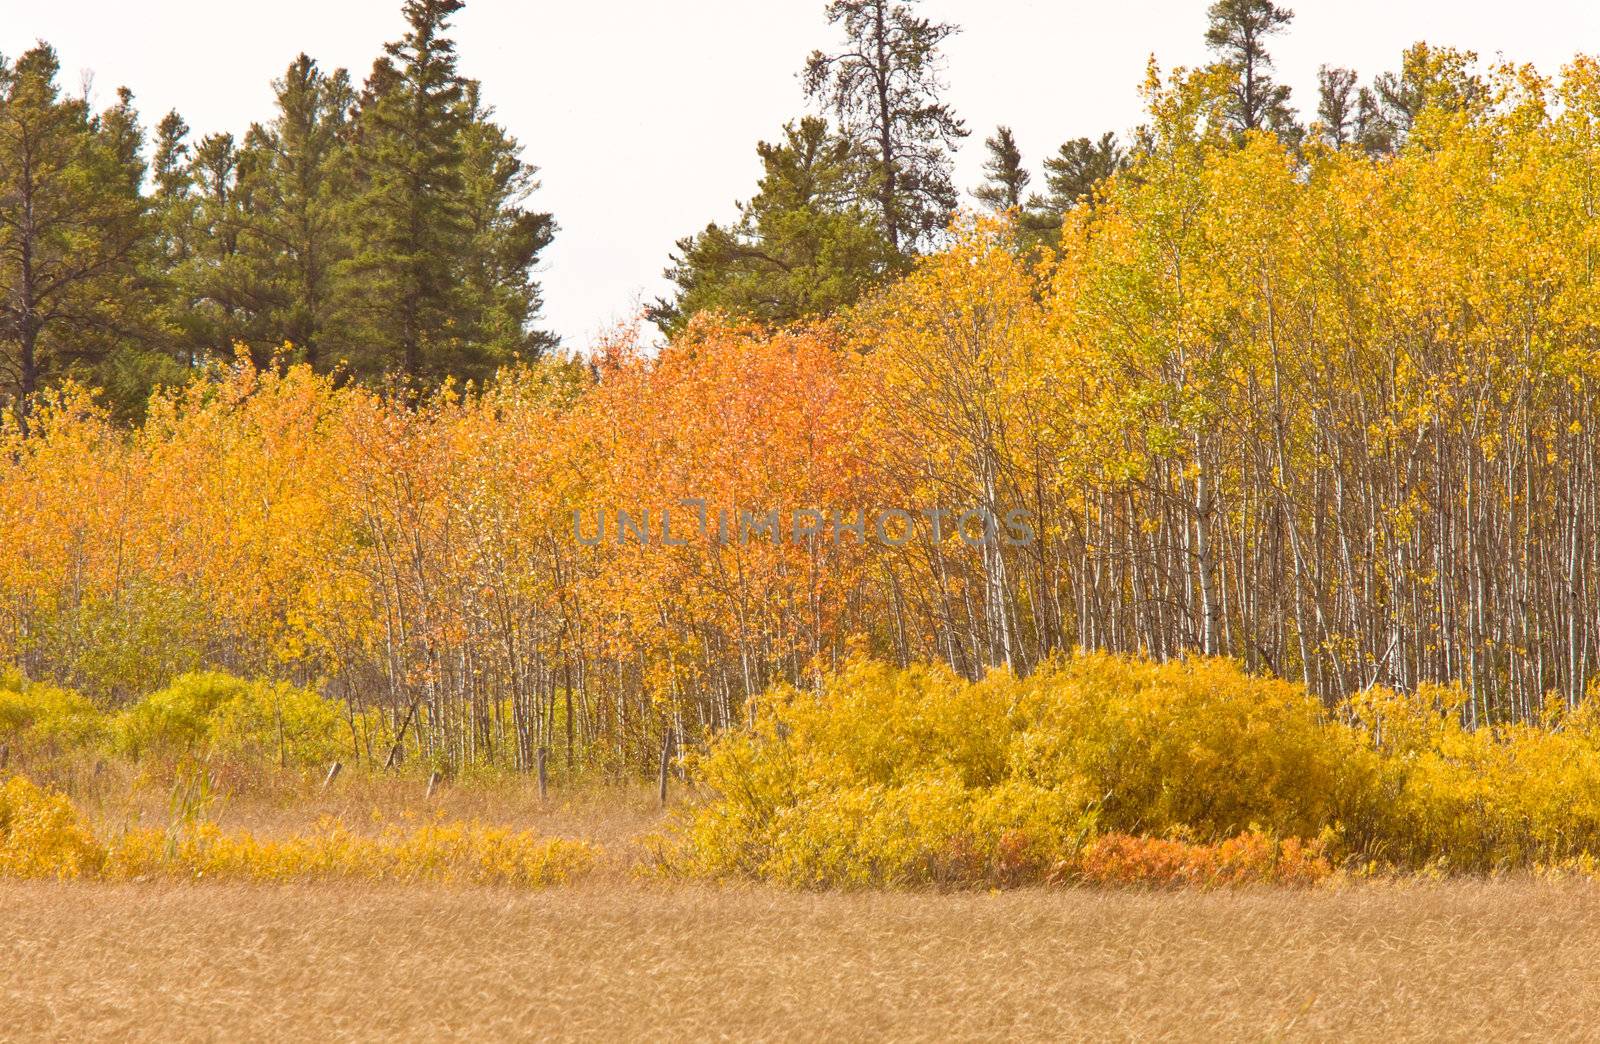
(1237, 34)
(222, 297)
(74, 231)
(884, 87)
(1337, 101)
(170, 162)
(404, 305)
(437, 284)
(171, 201)
(806, 244)
(295, 241)
(1073, 172)
(1005, 177)
(506, 240)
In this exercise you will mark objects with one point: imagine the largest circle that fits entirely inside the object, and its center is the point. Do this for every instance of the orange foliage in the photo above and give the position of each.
(1248, 858)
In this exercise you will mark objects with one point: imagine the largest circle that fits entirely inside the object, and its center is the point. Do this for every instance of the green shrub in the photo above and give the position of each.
(216, 712)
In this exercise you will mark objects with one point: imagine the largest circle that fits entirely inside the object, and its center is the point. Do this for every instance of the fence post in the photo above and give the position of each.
(433, 783)
(544, 778)
(333, 774)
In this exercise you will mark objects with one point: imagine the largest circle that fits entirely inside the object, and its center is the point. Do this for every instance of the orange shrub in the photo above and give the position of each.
(1252, 857)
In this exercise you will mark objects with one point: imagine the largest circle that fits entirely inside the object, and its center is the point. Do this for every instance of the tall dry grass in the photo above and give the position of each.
(115, 794)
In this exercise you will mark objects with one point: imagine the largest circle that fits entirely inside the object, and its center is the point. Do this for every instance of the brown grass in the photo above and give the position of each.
(622, 958)
(1511, 958)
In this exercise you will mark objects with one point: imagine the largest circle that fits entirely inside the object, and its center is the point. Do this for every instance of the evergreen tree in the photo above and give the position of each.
(1337, 105)
(806, 244)
(221, 293)
(1073, 172)
(1004, 176)
(294, 240)
(174, 226)
(171, 201)
(405, 307)
(437, 284)
(170, 164)
(1237, 34)
(506, 239)
(74, 232)
(884, 87)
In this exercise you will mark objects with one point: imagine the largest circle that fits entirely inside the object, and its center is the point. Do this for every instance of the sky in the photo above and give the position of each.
(643, 115)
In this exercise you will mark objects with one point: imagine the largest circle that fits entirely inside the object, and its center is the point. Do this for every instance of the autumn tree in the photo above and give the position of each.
(884, 86)
(1429, 77)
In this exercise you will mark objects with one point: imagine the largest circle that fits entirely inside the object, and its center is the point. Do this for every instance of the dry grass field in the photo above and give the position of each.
(611, 959)
(620, 956)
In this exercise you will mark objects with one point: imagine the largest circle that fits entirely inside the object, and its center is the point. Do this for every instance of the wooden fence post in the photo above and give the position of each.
(333, 774)
(433, 783)
(544, 778)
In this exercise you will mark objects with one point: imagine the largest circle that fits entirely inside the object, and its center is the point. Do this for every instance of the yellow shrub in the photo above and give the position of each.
(1480, 800)
(917, 776)
(41, 835)
(871, 782)
(908, 777)
(915, 833)
(1196, 744)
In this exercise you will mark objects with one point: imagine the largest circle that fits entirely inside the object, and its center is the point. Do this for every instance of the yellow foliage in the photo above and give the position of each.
(465, 853)
(1108, 768)
(42, 717)
(42, 835)
(1510, 795)
(215, 712)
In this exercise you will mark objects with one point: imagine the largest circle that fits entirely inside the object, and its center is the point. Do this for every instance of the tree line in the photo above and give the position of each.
(854, 191)
(1327, 413)
(1323, 402)
(382, 230)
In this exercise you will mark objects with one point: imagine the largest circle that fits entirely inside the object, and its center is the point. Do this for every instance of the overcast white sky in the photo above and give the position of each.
(643, 114)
